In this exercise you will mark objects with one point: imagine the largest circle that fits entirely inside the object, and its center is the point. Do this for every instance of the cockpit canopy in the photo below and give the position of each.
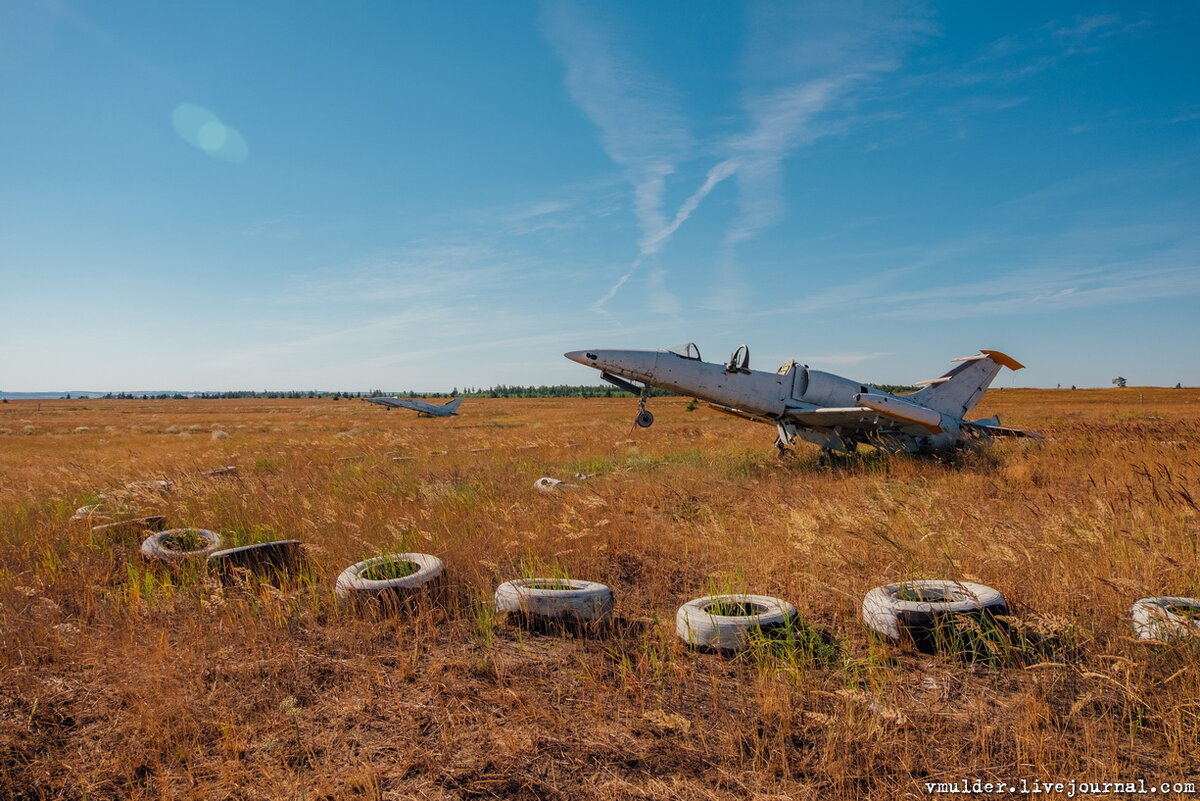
(688, 351)
(739, 362)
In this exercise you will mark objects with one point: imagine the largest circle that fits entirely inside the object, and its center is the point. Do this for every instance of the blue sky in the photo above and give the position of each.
(427, 195)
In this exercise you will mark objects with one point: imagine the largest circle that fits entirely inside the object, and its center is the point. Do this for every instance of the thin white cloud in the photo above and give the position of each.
(716, 175)
(416, 274)
(1041, 291)
(641, 129)
(539, 209)
(801, 62)
(1103, 263)
(1088, 26)
(603, 300)
(779, 125)
(1015, 57)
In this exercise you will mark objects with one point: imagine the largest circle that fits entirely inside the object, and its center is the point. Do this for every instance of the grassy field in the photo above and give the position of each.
(122, 680)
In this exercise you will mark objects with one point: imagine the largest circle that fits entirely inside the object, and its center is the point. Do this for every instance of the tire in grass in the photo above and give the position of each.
(93, 511)
(558, 599)
(547, 484)
(927, 610)
(727, 622)
(179, 544)
(389, 576)
(1166, 617)
(273, 558)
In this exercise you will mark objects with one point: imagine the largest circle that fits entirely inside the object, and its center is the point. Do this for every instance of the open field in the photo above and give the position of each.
(119, 680)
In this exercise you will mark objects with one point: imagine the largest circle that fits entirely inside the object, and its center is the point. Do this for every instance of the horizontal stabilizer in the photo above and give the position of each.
(1002, 359)
(1000, 431)
(958, 391)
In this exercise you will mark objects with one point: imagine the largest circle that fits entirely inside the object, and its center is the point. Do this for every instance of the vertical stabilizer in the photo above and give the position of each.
(452, 406)
(958, 391)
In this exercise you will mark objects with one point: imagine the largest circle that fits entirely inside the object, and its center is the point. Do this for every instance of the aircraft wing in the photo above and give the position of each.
(395, 403)
(861, 418)
(849, 418)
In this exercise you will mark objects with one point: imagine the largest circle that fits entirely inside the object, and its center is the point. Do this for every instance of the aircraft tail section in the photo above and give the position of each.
(958, 391)
(452, 406)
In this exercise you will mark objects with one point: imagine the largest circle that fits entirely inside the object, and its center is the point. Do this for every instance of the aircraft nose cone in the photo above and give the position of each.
(583, 357)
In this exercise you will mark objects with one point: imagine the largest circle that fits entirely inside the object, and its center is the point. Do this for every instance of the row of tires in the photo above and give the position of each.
(912, 609)
(917, 610)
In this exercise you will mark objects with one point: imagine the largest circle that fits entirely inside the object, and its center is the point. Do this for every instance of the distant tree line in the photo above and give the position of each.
(247, 393)
(555, 391)
(498, 391)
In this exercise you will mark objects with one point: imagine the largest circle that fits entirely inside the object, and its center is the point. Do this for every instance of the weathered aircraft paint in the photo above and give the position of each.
(828, 410)
(420, 407)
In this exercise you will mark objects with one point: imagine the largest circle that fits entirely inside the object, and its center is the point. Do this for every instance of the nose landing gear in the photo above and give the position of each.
(644, 418)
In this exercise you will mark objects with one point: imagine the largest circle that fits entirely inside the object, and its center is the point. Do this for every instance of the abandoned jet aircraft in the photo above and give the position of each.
(828, 410)
(422, 408)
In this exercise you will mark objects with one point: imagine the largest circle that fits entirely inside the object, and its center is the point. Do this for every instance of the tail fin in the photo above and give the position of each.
(957, 392)
(452, 406)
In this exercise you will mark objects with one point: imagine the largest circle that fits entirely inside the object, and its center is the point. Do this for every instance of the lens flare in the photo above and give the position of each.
(203, 130)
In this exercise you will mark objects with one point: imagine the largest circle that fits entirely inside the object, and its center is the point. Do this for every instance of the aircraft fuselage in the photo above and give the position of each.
(828, 410)
(768, 395)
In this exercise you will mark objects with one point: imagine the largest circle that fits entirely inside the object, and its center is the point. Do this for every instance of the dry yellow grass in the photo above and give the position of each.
(121, 681)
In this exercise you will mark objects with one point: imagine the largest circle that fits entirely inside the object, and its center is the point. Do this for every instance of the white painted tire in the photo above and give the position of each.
(887, 614)
(93, 511)
(1161, 618)
(153, 547)
(583, 600)
(547, 484)
(351, 584)
(698, 626)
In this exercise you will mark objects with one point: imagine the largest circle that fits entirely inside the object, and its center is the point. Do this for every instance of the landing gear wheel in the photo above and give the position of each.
(644, 419)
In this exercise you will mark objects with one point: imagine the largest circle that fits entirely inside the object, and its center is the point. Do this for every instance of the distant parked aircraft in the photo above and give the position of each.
(828, 410)
(422, 408)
